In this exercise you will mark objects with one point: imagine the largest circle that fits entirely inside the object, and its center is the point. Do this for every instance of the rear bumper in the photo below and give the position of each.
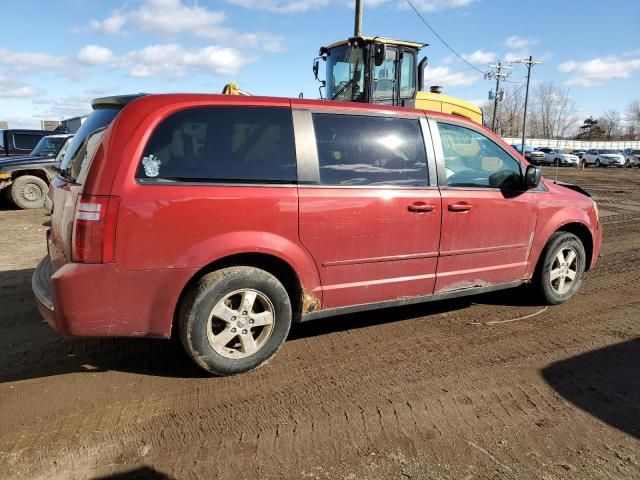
(97, 300)
(41, 286)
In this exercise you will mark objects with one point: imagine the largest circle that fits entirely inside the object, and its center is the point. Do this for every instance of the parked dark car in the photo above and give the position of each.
(234, 216)
(19, 142)
(25, 180)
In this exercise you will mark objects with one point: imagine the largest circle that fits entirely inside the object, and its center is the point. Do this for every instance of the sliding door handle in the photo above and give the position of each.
(460, 207)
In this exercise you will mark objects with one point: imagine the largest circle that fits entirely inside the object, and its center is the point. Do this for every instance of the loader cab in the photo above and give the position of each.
(384, 71)
(372, 70)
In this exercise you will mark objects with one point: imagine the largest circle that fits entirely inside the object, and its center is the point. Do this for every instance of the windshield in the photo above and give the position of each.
(47, 146)
(73, 159)
(562, 151)
(635, 152)
(345, 73)
(609, 151)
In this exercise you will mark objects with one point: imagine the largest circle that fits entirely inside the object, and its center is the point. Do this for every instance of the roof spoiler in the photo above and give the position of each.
(115, 100)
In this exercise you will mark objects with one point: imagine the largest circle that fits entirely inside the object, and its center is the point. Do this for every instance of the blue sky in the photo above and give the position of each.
(56, 55)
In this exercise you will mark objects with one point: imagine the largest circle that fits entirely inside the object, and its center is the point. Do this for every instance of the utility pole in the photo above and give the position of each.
(498, 74)
(528, 62)
(357, 28)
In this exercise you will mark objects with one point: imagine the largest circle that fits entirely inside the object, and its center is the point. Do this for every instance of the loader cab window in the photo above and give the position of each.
(384, 77)
(408, 75)
(345, 73)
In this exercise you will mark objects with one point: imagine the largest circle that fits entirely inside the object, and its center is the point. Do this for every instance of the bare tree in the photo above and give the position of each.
(610, 122)
(553, 111)
(633, 120)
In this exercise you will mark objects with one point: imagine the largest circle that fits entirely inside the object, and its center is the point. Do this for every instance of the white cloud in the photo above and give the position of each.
(296, 6)
(480, 56)
(281, 6)
(172, 17)
(167, 59)
(443, 75)
(175, 17)
(598, 70)
(95, 55)
(26, 61)
(436, 5)
(109, 26)
(11, 88)
(518, 43)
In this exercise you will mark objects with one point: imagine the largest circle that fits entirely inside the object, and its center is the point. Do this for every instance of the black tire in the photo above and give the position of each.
(583, 164)
(556, 162)
(628, 164)
(542, 278)
(28, 191)
(212, 289)
(598, 163)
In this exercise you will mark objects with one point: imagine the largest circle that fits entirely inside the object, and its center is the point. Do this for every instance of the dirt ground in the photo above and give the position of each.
(453, 390)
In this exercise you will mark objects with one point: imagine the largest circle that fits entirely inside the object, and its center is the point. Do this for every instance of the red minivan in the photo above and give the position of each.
(223, 219)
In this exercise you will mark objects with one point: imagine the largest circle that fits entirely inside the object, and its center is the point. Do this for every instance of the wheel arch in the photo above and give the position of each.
(41, 174)
(578, 228)
(302, 299)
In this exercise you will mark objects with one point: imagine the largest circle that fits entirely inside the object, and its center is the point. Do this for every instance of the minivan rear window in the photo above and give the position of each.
(222, 144)
(76, 154)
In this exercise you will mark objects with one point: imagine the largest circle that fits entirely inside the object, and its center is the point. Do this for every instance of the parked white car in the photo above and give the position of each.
(603, 158)
(631, 157)
(555, 156)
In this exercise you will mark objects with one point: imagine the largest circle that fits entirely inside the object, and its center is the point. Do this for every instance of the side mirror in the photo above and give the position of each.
(379, 53)
(532, 176)
(316, 68)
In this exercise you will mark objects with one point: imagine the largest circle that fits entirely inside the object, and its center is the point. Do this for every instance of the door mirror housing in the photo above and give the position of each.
(532, 176)
(379, 53)
(316, 68)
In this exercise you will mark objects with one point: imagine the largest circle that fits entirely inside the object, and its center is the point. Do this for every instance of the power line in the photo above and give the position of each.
(442, 39)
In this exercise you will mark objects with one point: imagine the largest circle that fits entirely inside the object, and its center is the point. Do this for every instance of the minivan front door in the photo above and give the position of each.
(371, 220)
(488, 221)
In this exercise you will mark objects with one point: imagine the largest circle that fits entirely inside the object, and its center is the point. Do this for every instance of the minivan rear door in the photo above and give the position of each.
(369, 210)
(66, 187)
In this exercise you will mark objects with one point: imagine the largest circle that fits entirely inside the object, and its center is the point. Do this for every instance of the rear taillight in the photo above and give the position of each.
(94, 229)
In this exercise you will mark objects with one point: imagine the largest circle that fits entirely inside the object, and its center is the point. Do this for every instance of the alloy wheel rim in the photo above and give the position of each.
(564, 270)
(31, 192)
(241, 323)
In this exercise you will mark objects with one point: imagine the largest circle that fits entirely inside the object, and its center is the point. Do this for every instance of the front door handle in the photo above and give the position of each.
(421, 207)
(460, 207)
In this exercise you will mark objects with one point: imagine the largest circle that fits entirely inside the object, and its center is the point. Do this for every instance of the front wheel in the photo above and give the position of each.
(235, 320)
(28, 191)
(559, 273)
(598, 163)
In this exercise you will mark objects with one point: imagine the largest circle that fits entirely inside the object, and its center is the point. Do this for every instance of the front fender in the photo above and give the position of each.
(549, 223)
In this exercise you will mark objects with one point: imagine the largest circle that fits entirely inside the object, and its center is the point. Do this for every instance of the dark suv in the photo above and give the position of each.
(230, 217)
(25, 180)
(19, 142)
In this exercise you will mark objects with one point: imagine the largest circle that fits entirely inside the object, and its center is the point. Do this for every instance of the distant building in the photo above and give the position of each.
(71, 125)
(49, 125)
(4, 125)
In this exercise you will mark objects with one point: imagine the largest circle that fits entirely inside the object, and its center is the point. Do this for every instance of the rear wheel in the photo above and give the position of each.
(598, 162)
(559, 273)
(235, 320)
(28, 191)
